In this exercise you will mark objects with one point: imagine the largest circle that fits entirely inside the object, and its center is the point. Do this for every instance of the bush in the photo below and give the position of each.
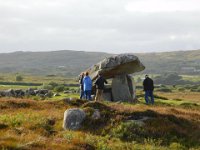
(168, 78)
(59, 88)
(53, 84)
(195, 88)
(198, 90)
(181, 89)
(164, 89)
(18, 78)
(47, 86)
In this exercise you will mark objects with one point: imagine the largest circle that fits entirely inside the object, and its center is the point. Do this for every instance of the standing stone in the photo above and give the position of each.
(73, 118)
(130, 85)
(120, 89)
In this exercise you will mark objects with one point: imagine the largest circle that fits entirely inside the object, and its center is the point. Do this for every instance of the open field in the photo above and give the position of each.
(34, 123)
(194, 78)
(37, 79)
(30, 124)
(184, 96)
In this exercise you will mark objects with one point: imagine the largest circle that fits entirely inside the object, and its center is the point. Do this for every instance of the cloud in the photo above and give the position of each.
(163, 5)
(109, 25)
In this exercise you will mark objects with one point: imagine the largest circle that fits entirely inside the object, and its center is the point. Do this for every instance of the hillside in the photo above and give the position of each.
(71, 63)
(182, 62)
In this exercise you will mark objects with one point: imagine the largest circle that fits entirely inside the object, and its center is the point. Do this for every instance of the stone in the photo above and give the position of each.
(140, 122)
(10, 93)
(19, 93)
(96, 115)
(49, 94)
(43, 91)
(30, 91)
(107, 96)
(56, 94)
(73, 118)
(130, 85)
(120, 89)
(116, 65)
(2, 93)
(66, 92)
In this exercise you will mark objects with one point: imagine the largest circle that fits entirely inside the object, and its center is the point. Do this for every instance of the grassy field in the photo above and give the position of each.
(37, 79)
(32, 123)
(194, 78)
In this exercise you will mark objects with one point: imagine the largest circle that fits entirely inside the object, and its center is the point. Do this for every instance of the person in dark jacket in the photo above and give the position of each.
(99, 86)
(81, 85)
(148, 86)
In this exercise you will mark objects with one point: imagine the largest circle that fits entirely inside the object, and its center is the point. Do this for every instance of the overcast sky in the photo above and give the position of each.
(113, 26)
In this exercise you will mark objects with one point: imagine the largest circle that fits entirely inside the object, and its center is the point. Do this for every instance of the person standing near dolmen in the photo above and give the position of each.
(87, 86)
(148, 86)
(99, 86)
(81, 85)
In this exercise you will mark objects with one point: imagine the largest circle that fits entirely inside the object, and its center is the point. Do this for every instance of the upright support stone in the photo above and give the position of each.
(120, 89)
(130, 85)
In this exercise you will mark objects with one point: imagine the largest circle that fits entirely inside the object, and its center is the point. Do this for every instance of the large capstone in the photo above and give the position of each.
(73, 118)
(116, 65)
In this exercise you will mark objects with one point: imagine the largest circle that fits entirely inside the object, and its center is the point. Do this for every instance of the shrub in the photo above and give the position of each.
(123, 131)
(18, 78)
(53, 84)
(164, 89)
(176, 146)
(168, 78)
(47, 86)
(198, 90)
(195, 89)
(181, 89)
(59, 88)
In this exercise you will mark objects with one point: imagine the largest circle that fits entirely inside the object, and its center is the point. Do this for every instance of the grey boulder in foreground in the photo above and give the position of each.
(73, 118)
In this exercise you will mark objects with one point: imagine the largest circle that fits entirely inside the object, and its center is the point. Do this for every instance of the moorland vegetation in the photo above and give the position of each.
(34, 123)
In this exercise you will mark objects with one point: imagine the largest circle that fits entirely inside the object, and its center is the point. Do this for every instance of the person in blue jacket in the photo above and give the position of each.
(87, 86)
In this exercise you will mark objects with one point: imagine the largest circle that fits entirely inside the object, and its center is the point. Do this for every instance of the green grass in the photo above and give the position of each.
(37, 79)
(194, 78)
(63, 96)
(6, 87)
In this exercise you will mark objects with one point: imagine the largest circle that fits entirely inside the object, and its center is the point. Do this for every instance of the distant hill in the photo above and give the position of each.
(182, 62)
(71, 63)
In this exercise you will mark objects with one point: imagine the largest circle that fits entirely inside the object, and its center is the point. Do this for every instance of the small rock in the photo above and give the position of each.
(56, 94)
(140, 122)
(96, 115)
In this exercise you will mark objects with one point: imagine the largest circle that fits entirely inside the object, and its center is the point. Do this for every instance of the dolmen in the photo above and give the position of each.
(118, 68)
